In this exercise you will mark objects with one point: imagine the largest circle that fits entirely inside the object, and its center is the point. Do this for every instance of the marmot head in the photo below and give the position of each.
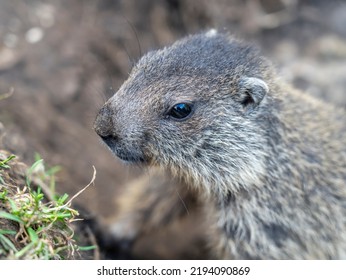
(193, 108)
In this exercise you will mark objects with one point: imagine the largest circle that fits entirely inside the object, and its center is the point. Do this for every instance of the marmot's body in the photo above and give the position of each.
(269, 162)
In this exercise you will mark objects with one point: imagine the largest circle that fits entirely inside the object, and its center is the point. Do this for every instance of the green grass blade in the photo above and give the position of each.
(31, 170)
(9, 216)
(24, 250)
(7, 244)
(7, 231)
(3, 164)
(12, 204)
(33, 235)
(87, 248)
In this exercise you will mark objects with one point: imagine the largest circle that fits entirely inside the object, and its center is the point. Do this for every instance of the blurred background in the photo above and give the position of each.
(64, 58)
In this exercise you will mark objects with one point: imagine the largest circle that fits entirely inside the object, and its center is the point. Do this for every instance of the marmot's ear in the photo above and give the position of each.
(251, 92)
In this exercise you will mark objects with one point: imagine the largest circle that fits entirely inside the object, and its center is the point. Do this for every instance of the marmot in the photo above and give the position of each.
(267, 161)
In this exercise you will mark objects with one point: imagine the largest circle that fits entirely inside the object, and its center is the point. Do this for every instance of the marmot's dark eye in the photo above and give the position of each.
(180, 111)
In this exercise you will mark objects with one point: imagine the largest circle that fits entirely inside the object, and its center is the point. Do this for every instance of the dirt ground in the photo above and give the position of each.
(64, 58)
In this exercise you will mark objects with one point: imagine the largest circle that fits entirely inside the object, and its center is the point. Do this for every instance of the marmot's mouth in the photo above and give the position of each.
(109, 140)
(129, 158)
(123, 153)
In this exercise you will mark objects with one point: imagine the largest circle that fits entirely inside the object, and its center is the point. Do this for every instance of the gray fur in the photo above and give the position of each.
(269, 161)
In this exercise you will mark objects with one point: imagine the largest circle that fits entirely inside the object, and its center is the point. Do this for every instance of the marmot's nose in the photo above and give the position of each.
(103, 124)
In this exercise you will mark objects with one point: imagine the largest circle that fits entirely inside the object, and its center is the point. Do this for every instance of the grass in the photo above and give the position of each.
(35, 222)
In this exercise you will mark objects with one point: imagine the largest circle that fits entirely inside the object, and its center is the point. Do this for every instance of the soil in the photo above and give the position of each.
(64, 58)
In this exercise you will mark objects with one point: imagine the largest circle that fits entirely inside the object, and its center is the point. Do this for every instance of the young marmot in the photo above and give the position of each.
(267, 161)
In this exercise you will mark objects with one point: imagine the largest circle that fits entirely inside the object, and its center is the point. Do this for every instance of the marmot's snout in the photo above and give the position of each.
(104, 127)
(123, 141)
(103, 123)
